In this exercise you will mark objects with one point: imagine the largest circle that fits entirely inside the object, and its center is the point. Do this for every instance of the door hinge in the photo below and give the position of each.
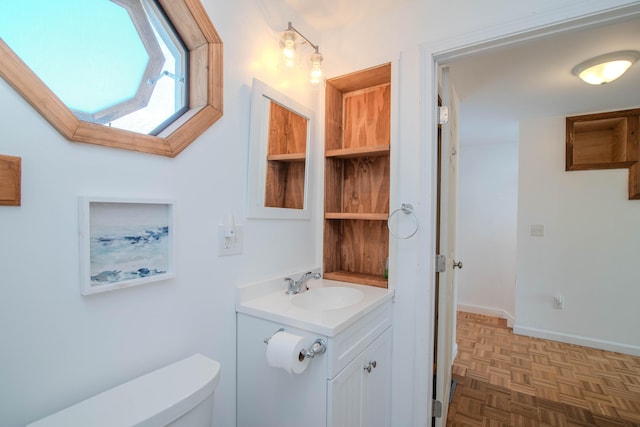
(436, 409)
(443, 115)
(441, 263)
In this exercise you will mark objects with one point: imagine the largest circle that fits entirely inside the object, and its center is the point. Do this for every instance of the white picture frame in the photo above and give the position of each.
(124, 243)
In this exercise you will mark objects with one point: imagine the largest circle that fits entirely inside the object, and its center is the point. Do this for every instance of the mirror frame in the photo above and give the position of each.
(192, 23)
(261, 97)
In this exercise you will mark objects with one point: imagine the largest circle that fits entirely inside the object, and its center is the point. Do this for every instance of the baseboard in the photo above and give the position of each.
(578, 340)
(487, 311)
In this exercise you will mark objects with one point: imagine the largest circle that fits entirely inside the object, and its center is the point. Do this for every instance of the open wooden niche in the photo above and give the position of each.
(357, 170)
(605, 141)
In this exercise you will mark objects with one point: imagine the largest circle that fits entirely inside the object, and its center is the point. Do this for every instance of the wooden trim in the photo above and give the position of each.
(361, 216)
(360, 278)
(347, 153)
(10, 180)
(370, 77)
(290, 157)
(195, 28)
(35, 92)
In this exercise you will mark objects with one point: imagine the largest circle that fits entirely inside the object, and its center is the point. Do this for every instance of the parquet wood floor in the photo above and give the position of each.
(513, 380)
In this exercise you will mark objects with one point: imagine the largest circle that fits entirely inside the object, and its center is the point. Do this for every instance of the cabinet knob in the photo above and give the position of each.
(370, 366)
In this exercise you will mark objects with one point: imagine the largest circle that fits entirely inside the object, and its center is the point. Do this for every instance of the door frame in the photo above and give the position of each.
(432, 56)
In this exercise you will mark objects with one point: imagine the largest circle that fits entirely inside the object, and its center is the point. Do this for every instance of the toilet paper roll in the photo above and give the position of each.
(283, 351)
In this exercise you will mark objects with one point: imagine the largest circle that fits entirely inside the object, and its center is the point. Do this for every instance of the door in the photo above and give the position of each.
(360, 395)
(445, 310)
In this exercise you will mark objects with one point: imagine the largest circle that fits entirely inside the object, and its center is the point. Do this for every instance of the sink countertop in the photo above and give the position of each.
(268, 300)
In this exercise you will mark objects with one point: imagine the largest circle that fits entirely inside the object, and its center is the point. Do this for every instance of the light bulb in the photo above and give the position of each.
(288, 46)
(316, 74)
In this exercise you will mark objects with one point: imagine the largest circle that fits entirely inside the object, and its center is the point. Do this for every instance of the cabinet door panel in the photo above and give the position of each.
(345, 396)
(377, 383)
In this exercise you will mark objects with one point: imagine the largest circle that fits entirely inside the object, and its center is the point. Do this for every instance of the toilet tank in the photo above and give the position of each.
(176, 395)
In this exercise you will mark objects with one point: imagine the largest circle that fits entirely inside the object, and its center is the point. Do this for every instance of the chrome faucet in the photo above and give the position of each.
(300, 285)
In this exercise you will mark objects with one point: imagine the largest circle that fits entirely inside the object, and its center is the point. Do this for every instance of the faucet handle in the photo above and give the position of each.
(290, 285)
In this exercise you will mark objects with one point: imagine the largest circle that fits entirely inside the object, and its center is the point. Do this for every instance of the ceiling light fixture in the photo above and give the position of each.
(606, 68)
(288, 41)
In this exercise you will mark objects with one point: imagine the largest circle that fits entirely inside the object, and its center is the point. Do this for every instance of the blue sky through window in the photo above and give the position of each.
(87, 51)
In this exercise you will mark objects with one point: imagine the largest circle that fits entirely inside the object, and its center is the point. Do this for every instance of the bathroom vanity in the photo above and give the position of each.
(346, 386)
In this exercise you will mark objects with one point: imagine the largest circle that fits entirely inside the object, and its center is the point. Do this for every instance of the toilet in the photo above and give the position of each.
(178, 395)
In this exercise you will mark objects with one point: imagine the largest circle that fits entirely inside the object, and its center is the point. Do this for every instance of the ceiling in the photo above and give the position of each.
(533, 79)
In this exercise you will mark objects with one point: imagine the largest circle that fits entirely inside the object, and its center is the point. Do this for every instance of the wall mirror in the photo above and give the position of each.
(279, 155)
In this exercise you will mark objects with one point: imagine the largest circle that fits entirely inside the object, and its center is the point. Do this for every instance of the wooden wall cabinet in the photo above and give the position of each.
(357, 169)
(10, 180)
(605, 141)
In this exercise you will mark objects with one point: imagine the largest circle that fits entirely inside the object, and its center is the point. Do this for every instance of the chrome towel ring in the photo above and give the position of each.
(407, 209)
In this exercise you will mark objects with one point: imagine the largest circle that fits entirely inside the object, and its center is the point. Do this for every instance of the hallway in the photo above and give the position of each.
(513, 380)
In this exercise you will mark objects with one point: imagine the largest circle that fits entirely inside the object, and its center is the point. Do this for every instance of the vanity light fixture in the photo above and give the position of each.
(606, 68)
(288, 41)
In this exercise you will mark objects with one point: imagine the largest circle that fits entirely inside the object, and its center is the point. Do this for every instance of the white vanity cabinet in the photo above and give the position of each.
(347, 386)
(359, 395)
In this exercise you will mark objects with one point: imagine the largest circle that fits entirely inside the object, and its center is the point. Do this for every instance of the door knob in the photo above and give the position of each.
(457, 264)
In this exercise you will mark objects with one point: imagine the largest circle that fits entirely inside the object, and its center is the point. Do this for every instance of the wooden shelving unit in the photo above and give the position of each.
(357, 169)
(605, 141)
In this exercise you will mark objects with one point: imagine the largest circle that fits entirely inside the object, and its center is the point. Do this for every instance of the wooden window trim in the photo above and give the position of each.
(192, 23)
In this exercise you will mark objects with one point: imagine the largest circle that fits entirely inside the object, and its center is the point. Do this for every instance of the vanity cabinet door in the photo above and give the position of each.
(376, 402)
(359, 396)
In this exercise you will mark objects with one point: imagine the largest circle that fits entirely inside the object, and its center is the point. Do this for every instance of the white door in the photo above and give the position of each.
(360, 395)
(446, 304)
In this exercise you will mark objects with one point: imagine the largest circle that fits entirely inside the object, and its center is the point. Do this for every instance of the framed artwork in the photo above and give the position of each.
(124, 243)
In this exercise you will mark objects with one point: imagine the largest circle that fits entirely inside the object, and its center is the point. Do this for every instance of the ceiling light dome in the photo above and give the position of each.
(606, 68)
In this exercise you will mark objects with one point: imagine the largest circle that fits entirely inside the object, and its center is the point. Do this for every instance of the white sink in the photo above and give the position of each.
(329, 298)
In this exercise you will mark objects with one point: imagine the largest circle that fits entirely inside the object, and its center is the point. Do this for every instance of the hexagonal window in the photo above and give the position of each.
(119, 67)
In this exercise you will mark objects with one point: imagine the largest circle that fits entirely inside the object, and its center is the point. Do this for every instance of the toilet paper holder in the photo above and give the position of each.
(319, 346)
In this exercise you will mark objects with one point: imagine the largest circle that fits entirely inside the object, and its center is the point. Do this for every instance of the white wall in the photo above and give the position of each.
(59, 347)
(589, 252)
(486, 238)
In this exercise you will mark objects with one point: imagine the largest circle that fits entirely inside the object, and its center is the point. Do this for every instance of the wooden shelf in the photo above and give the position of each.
(360, 216)
(357, 171)
(359, 278)
(605, 141)
(349, 153)
(291, 157)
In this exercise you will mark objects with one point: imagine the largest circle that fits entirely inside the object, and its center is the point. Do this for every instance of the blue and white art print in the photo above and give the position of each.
(127, 243)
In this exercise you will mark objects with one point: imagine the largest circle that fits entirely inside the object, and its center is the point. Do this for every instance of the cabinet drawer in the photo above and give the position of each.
(345, 346)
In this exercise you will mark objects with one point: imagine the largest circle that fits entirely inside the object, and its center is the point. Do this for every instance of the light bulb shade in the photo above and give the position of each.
(606, 68)
(288, 45)
(316, 74)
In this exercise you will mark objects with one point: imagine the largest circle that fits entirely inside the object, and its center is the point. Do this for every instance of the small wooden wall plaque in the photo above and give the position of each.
(10, 173)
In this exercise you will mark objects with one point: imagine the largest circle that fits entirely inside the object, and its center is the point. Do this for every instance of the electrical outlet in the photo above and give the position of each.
(230, 240)
(558, 302)
(537, 230)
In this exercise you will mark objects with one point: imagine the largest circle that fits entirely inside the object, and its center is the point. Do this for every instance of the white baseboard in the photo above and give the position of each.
(578, 340)
(488, 311)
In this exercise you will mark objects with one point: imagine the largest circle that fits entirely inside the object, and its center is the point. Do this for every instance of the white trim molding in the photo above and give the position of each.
(578, 340)
(488, 311)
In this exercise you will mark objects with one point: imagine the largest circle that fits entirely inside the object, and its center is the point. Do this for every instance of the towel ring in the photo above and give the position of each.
(407, 209)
